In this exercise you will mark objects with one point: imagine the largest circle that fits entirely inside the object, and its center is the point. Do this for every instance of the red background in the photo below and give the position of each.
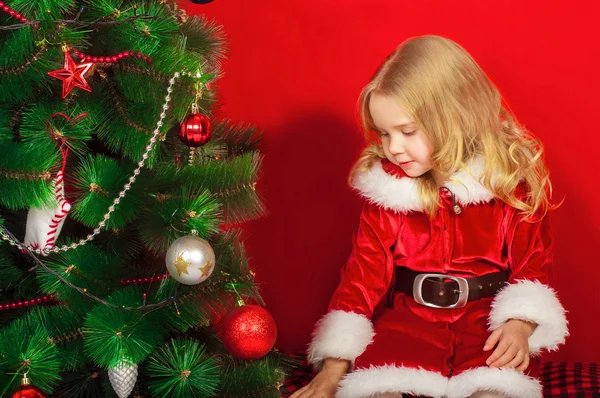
(295, 70)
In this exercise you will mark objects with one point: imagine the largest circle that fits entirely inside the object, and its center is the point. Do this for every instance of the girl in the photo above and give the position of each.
(454, 236)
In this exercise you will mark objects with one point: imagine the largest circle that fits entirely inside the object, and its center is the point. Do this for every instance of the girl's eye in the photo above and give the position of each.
(383, 134)
(409, 132)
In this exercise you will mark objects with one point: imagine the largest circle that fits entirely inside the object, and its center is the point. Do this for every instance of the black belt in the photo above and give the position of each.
(447, 291)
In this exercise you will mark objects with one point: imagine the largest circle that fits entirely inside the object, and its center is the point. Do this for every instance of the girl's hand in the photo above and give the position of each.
(326, 381)
(513, 347)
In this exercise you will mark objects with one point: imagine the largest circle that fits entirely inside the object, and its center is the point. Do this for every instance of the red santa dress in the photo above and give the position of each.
(437, 352)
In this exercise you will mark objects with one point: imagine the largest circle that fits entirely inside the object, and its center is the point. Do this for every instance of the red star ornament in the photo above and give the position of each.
(72, 75)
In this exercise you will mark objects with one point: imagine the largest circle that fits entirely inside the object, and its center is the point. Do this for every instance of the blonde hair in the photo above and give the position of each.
(459, 109)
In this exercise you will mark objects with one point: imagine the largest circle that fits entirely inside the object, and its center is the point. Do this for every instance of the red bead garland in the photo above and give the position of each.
(143, 280)
(27, 303)
(12, 12)
(113, 58)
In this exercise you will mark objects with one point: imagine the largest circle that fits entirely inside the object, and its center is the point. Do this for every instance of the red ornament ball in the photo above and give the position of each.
(28, 391)
(249, 332)
(195, 130)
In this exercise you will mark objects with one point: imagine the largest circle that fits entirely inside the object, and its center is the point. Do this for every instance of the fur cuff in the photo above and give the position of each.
(391, 379)
(340, 334)
(510, 382)
(535, 302)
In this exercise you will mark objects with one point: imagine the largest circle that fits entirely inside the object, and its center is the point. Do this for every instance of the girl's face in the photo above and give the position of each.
(404, 144)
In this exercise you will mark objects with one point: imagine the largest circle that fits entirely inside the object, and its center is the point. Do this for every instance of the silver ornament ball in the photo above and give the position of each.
(190, 260)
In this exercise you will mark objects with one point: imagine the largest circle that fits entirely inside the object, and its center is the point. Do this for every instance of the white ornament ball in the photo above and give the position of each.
(123, 378)
(190, 260)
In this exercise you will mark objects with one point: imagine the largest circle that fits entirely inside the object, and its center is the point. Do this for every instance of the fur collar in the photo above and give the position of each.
(388, 186)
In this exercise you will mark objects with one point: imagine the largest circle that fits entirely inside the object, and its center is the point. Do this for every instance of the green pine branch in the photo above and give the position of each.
(88, 382)
(204, 38)
(11, 274)
(98, 181)
(230, 180)
(27, 349)
(112, 334)
(88, 268)
(44, 9)
(178, 215)
(240, 137)
(260, 378)
(182, 369)
(26, 176)
(40, 131)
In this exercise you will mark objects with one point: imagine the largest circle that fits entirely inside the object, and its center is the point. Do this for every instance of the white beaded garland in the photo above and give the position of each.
(117, 200)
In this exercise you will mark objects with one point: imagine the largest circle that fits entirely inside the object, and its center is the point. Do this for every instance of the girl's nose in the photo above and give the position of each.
(396, 145)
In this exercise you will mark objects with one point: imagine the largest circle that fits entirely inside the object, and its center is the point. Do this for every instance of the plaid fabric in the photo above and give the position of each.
(298, 379)
(571, 380)
(560, 379)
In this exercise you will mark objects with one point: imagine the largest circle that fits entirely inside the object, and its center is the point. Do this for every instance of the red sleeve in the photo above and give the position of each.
(530, 244)
(346, 330)
(367, 275)
(528, 296)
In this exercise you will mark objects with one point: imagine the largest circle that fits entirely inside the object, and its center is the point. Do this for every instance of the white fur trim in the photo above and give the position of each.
(466, 186)
(340, 334)
(535, 302)
(401, 193)
(391, 379)
(510, 382)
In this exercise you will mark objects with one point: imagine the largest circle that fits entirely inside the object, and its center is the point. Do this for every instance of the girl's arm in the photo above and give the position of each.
(528, 296)
(346, 330)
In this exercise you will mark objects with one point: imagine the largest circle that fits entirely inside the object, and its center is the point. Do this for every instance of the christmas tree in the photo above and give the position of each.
(121, 199)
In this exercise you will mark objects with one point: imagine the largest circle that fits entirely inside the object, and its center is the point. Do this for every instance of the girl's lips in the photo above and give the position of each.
(406, 163)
